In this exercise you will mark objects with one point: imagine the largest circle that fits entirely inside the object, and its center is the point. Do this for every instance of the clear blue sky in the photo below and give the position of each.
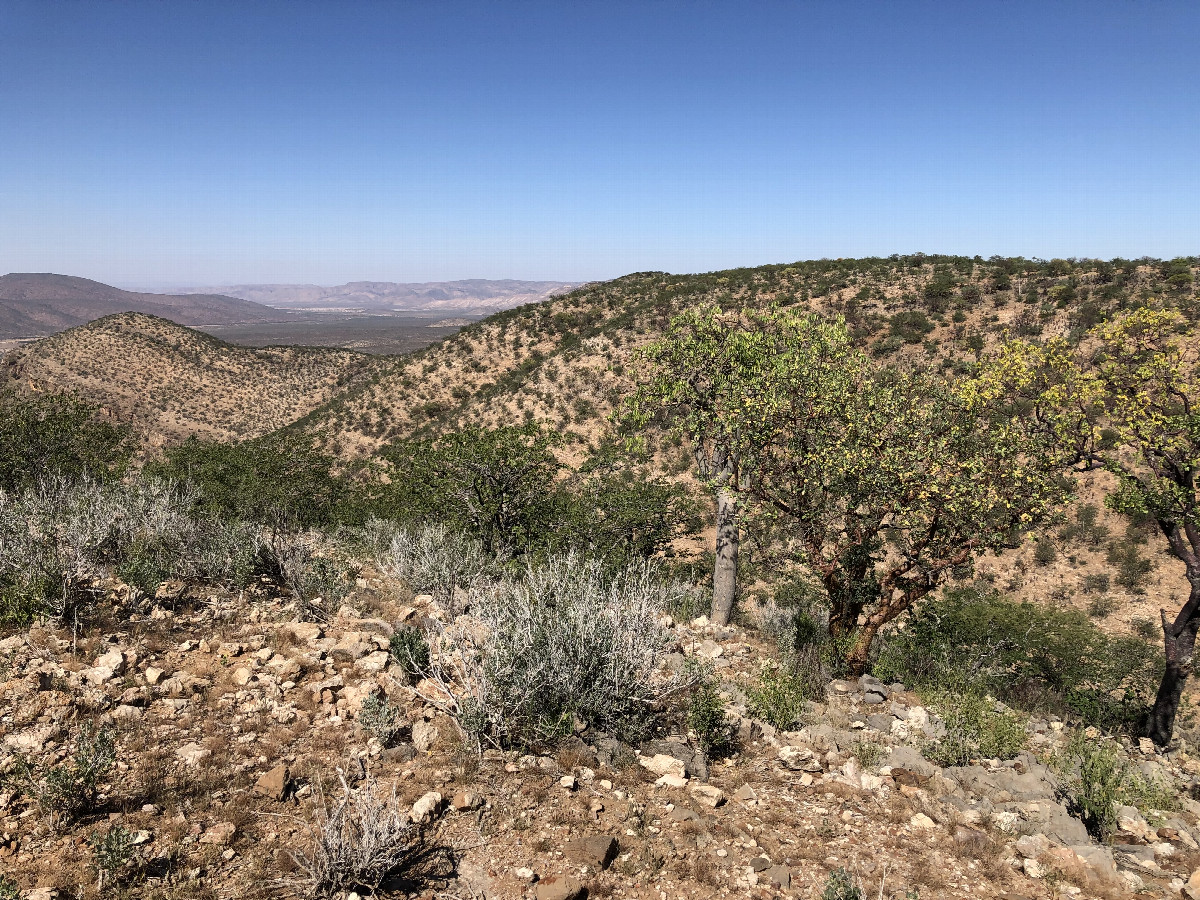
(189, 142)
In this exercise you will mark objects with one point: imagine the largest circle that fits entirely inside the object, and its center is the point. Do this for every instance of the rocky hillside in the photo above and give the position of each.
(172, 382)
(567, 360)
(33, 304)
(234, 720)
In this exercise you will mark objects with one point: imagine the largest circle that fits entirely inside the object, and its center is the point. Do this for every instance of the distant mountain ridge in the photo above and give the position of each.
(40, 303)
(389, 296)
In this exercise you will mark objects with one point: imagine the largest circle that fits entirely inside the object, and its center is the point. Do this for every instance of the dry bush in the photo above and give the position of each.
(358, 843)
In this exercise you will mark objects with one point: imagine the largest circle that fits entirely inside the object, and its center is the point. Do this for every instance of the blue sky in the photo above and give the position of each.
(163, 142)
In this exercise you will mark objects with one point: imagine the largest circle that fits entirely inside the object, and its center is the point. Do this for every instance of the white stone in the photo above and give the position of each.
(662, 764)
(425, 808)
(193, 754)
(920, 820)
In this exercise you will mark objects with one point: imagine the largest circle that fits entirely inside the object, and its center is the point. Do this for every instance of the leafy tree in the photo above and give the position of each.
(617, 511)
(280, 481)
(58, 434)
(494, 483)
(1129, 400)
(700, 379)
(883, 483)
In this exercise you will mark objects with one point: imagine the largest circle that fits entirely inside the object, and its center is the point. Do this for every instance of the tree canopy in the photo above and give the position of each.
(58, 434)
(883, 482)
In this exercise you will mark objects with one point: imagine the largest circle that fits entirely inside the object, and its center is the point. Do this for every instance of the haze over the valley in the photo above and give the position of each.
(475, 294)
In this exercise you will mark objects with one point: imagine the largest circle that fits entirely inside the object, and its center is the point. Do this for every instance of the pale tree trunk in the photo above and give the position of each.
(725, 569)
(1179, 643)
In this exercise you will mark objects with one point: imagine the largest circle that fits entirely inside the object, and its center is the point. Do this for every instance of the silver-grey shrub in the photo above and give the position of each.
(60, 538)
(356, 844)
(432, 559)
(565, 640)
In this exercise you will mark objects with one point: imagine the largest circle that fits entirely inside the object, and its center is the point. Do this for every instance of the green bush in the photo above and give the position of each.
(410, 650)
(1029, 655)
(976, 728)
(280, 481)
(66, 790)
(1044, 552)
(380, 719)
(779, 697)
(1132, 568)
(9, 889)
(1096, 583)
(1102, 607)
(58, 435)
(1097, 778)
(706, 717)
(112, 851)
(840, 885)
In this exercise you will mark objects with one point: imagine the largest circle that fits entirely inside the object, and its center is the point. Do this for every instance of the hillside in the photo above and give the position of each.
(471, 295)
(33, 304)
(172, 382)
(566, 362)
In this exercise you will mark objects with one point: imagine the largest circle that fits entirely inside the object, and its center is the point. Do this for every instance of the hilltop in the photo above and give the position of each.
(172, 382)
(33, 304)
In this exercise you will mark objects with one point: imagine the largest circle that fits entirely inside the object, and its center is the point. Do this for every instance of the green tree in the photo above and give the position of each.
(699, 381)
(494, 483)
(281, 481)
(1129, 400)
(58, 434)
(883, 482)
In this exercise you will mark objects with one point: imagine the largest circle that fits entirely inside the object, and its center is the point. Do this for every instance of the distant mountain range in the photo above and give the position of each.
(476, 294)
(34, 304)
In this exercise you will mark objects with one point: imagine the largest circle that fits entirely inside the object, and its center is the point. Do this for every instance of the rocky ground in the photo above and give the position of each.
(233, 719)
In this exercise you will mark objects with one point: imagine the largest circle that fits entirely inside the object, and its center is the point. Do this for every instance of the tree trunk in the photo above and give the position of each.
(860, 653)
(1179, 643)
(725, 570)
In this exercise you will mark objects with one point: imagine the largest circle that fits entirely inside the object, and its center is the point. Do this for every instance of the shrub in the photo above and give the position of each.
(68, 789)
(493, 484)
(1097, 778)
(565, 640)
(410, 649)
(1096, 583)
(380, 719)
(319, 582)
(364, 840)
(840, 885)
(706, 717)
(56, 435)
(1132, 568)
(1032, 656)
(1102, 607)
(1044, 552)
(9, 889)
(58, 538)
(112, 851)
(281, 482)
(432, 559)
(977, 727)
(1147, 628)
(779, 697)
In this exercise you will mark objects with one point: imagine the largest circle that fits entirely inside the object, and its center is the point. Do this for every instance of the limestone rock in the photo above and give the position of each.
(424, 735)
(192, 754)
(595, 851)
(661, 764)
(559, 887)
(427, 806)
(273, 784)
(707, 795)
